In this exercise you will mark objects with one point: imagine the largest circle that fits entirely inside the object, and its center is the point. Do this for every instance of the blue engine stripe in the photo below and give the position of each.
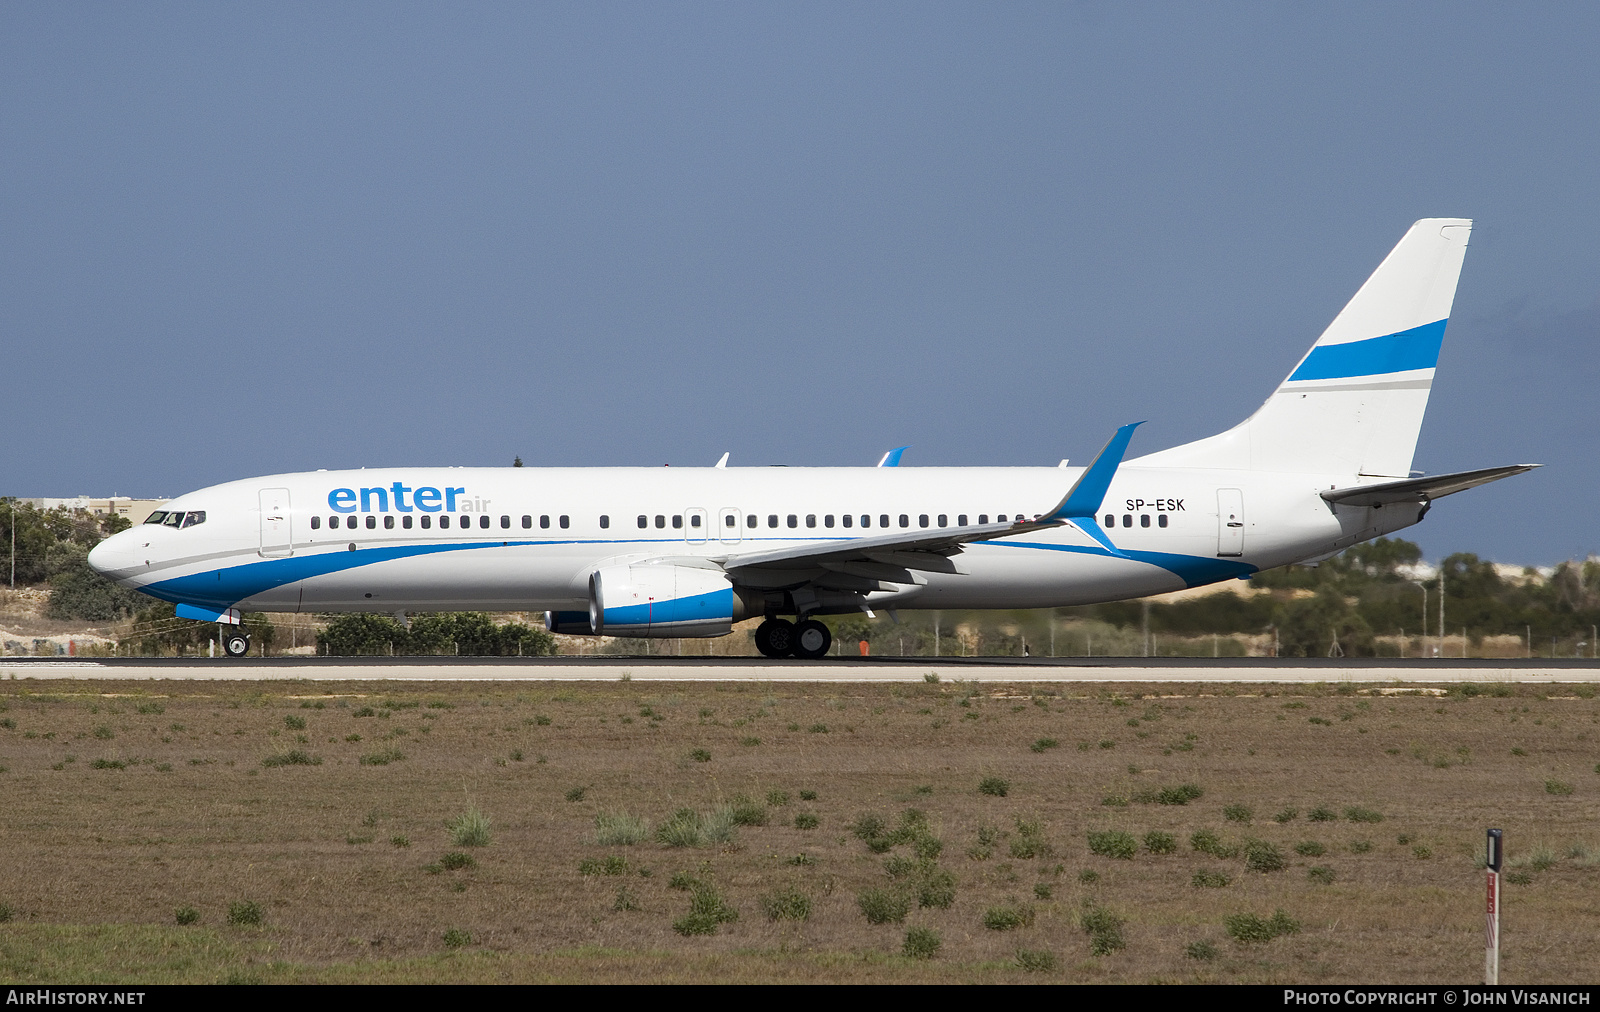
(715, 606)
(1417, 348)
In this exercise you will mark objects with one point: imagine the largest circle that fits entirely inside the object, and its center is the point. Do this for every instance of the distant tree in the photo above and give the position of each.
(1309, 627)
(471, 633)
(78, 592)
(516, 462)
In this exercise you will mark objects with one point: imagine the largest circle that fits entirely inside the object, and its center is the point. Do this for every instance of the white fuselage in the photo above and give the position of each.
(271, 544)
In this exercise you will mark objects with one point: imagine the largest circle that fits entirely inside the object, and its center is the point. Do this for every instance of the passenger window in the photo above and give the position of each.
(961, 520)
(427, 521)
(694, 520)
(922, 520)
(483, 521)
(866, 520)
(1161, 521)
(544, 521)
(677, 522)
(794, 521)
(605, 521)
(905, 521)
(661, 520)
(983, 518)
(827, 521)
(751, 521)
(811, 520)
(1000, 519)
(772, 519)
(565, 521)
(944, 521)
(847, 520)
(883, 520)
(527, 522)
(505, 522)
(405, 521)
(444, 522)
(1144, 520)
(644, 521)
(1111, 521)
(316, 523)
(1127, 520)
(388, 522)
(730, 521)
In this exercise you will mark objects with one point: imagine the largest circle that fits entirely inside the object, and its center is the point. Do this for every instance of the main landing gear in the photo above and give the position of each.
(235, 642)
(808, 640)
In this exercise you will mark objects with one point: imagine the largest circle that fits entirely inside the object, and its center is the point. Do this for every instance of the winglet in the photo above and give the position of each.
(1086, 494)
(723, 462)
(892, 458)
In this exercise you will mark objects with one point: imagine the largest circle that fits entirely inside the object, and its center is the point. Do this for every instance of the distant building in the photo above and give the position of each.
(134, 510)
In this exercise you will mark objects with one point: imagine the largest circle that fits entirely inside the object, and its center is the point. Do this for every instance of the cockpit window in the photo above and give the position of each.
(173, 519)
(157, 517)
(194, 517)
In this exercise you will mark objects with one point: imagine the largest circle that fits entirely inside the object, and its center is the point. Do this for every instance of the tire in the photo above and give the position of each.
(236, 643)
(775, 638)
(812, 640)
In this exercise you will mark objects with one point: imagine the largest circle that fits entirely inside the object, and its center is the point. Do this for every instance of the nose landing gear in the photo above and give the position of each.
(235, 642)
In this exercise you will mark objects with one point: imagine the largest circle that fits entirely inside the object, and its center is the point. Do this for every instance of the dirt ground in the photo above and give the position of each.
(125, 803)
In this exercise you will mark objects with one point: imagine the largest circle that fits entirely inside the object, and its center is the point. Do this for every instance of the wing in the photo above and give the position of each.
(890, 557)
(1422, 489)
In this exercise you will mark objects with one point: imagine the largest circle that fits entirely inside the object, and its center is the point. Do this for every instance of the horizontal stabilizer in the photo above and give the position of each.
(1422, 489)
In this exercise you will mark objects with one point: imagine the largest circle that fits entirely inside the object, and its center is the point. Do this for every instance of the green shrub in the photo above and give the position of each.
(802, 860)
(867, 826)
(707, 910)
(1310, 848)
(1044, 743)
(293, 757)
(1321, 874)
(937, 889)
(455, 938)
(1322, 814)
(818, 729)
(1238, 813)
(1360, 846)
(1113, 843)
(620, 829)
(1043, 891)
(883, 906)
(399, 841)
(994, 787)
(1259, 855)
(612, 864)
(1029, 842)
(1157, 842)
(1008, 917)
(806, 820)
(1114, 801)
(383, 758)
(7, 913)
(294, 723)
(1421, 852)
(1286, 815)
(1209, 880)
(921, 943)
(1207, 842)
(625, 900)
(104, 733)
(1088, 876)
(245, 913)
(1036, 960)
(455, 860)
(688, 828)
(469, 829)
(365, 711)
(151, 708)
(1248, 929)
(186, 915)
(1104, 929)
(1557, 787)
(748, 813)
(808, 795)
(777, 798)
(1179, 795)
(577, 793)
(1200, 950)
(787, 905)
(1520, 878)
(109, 764)
(700, 755)
(1355, 813)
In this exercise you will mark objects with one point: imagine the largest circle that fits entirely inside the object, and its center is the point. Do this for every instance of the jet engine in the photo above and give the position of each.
(663, 601)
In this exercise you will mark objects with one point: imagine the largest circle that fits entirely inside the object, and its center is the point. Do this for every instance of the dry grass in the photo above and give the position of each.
(182, 814)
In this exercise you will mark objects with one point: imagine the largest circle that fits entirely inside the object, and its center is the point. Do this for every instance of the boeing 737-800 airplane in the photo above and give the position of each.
(1324, 464)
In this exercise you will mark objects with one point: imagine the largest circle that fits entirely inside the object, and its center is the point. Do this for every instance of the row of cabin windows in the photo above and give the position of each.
(1144, 520)
(729, 520)
(426, 521)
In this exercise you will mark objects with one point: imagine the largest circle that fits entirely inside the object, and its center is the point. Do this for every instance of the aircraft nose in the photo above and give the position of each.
(109, 555)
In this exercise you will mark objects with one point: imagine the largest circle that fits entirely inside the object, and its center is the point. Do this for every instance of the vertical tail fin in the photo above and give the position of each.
(1354, 403)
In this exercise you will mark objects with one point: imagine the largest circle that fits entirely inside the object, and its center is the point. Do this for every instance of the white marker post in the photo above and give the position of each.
(1491, 954)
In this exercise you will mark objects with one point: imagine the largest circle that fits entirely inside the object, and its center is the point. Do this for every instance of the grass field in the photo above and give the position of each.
(754, 832)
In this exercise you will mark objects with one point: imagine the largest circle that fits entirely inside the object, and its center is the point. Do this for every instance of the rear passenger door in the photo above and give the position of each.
(1230, 521)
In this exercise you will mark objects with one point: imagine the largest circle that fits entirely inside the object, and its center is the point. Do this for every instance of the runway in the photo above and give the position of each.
(1377, 671)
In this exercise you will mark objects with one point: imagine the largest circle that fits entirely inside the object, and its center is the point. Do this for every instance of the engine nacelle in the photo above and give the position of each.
(662, 600)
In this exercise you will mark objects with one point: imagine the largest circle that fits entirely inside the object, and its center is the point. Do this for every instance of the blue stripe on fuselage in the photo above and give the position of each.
(1417, 348)
(1193, 570)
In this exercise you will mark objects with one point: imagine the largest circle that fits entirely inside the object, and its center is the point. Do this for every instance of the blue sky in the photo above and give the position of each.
(244, 239)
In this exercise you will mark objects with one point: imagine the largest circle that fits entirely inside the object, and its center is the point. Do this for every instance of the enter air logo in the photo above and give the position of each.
(405, 499)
